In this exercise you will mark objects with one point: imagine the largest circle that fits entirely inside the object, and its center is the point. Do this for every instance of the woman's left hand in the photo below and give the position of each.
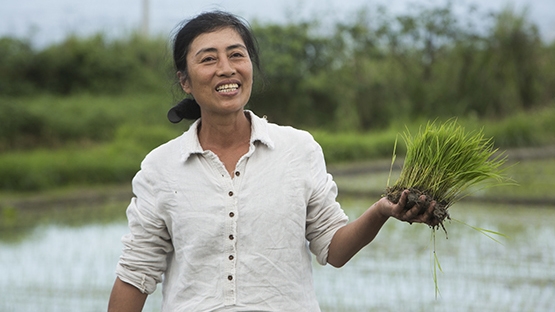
(421, 212)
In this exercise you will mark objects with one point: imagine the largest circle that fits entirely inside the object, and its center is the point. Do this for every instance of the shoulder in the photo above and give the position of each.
(175, 151)
(166, 154)
(289, 136)
(280, 137)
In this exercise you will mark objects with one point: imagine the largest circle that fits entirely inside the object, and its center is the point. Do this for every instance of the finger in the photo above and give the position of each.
(423, 212)
(431, 219)
(413, 215)
(403, 199)
(431, 207)
(423, 203)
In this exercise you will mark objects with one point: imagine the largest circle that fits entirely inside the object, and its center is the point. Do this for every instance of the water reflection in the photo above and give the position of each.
(63, 268)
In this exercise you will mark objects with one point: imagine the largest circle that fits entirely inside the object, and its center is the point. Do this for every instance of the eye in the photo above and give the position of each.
(237, 54)
(207, 59)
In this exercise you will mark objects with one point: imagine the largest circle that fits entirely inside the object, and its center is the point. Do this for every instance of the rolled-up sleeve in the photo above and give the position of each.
(144, 256)
(324, 214)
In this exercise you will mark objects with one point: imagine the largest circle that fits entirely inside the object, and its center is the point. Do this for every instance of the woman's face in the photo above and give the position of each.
(220, 74)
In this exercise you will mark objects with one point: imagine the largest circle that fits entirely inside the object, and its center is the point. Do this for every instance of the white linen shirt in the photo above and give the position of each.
(238, 243)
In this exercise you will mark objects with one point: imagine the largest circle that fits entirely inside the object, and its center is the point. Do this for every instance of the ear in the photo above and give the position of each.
(184, 82)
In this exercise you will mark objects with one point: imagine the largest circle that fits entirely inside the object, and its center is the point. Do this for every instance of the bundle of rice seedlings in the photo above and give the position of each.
(444, 162)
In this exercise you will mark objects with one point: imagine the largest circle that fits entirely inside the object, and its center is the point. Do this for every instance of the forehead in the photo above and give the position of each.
(218, 39)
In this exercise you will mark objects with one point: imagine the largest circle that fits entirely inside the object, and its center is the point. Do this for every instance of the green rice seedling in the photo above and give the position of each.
(444, 162)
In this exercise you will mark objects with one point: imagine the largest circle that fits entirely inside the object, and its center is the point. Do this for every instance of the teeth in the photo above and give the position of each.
(227, 87)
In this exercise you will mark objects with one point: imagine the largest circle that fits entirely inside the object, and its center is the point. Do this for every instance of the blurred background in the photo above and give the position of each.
(85, 87)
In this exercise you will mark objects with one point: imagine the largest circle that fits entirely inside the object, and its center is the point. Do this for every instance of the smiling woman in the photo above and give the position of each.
(219, 75)
(242, 49)
(230, 212)
(217, 72)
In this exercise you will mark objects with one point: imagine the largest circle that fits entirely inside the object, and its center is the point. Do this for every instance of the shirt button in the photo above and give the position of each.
(231, 214)
(231, 257)
(237, 173)
(230, 193)
(229, 277)
(231, 237)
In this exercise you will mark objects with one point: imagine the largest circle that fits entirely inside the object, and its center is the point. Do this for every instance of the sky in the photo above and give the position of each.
(46, 22)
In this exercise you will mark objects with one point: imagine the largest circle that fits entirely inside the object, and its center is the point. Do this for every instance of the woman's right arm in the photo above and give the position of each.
(143, 259)
(126, 298)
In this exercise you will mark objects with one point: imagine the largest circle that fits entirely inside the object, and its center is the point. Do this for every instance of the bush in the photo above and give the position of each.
(524, 129)
(358, 75)
(19, 127)
(44, 169)
(53, 121)
(348, 147)
(119, 160)
(15, 66)
(109, 163)
(93, 65)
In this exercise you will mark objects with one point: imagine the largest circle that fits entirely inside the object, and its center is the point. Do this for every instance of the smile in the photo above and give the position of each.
(227, 87)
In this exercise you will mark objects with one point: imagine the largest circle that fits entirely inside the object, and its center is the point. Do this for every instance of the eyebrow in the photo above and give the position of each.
(231, 47)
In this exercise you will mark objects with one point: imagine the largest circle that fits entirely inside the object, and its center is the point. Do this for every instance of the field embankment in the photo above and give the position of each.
(532, 168)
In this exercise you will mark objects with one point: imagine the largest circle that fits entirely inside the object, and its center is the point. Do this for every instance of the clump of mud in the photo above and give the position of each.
(440, 212)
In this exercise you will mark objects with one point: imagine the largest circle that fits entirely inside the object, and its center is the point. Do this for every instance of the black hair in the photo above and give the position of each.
(191, 29)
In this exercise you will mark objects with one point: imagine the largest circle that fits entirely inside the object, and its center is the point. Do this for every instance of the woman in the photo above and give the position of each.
(230, 212)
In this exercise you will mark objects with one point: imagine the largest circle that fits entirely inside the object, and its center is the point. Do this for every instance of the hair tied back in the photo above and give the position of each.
(186, 109)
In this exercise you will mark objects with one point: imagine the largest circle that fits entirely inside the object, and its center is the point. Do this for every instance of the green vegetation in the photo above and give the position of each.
(349, 76)
(92, 65)
(443, 162)
(534, 182)
(117, 160)
(50, 121)
(87, 110)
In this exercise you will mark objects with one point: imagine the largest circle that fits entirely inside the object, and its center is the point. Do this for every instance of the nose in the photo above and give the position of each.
(225, 68)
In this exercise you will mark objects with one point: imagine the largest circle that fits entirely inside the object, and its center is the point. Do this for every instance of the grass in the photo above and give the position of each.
(113, 162)
(443, 162)
(53, 122)
(534, 177)
(88, 140)
(348, 147)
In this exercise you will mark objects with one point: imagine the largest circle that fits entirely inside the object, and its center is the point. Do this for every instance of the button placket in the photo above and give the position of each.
(230, 250)
(232, 215)
(230, 206)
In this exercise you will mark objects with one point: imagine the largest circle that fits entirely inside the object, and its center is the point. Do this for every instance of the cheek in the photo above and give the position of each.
(247, 72)
(196, 81)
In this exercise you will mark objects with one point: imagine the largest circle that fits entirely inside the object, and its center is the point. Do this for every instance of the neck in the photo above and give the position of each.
(224, 132)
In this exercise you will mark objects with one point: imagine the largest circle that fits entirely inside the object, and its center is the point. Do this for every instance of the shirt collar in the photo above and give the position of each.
(259, 132)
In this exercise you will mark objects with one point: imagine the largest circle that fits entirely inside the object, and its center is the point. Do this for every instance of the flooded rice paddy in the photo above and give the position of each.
(71, 268)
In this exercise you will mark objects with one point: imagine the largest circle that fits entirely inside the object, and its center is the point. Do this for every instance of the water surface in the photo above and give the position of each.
(71, 268)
